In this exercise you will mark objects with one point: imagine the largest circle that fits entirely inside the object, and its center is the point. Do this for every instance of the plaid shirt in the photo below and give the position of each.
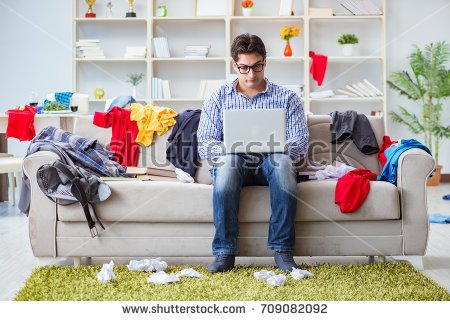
(210, 130)
(86, 153)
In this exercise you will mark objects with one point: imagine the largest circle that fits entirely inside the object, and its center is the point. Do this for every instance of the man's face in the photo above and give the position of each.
(248, 77)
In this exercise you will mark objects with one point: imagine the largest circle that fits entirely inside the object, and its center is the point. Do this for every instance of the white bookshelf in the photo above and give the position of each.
(182, 27)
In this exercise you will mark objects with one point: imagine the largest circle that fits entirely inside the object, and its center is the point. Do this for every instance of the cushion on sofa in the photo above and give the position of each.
(178, 202)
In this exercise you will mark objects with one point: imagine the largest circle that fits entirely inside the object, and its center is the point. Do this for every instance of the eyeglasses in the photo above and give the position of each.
(244, 69)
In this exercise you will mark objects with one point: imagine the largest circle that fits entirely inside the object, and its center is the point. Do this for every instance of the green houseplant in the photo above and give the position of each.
(135, 80)
(348, 41)
(428, 86)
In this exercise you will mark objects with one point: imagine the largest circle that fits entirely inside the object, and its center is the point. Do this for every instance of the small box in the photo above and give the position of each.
(321, 12)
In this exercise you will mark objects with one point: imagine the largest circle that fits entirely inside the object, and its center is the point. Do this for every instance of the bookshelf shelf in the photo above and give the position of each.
(111, 60)
(183, 28)
(346, 99)
(100, 20)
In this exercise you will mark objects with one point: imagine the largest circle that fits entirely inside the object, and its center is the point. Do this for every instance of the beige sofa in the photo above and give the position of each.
(167, 219)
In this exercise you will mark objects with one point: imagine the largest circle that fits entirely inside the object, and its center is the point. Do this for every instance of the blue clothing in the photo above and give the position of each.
(120, 101)
(63, 98)
(210, 130)
(230, 173)
(439, 218)
(446, 197)
(393, 153)
(86, 154)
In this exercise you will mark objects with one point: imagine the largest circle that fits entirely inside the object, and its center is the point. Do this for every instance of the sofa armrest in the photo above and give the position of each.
(414, 167)
(42, 215)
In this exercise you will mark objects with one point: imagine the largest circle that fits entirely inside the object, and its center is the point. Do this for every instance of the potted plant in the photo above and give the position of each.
(286, 33)
(428, 86)
(135, 80)
(348, 41)
(247, 6)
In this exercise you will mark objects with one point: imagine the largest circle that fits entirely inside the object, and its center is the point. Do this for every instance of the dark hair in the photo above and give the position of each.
(247, 44)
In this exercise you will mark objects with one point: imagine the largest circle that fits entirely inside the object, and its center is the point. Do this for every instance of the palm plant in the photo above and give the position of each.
(429, 86)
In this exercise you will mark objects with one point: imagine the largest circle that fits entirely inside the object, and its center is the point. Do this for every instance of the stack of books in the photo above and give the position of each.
(153, 173)
(161, 47)
(160, 89)
(361, 7)
(89, 49)
(136, 52)
(194, 52)
(361, 89)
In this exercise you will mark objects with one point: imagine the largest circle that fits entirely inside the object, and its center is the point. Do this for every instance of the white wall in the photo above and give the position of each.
(38, 37)
(415, 22)
(35, 54)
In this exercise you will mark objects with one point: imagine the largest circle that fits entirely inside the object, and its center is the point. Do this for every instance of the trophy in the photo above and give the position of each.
(90, 13)
(131, 13)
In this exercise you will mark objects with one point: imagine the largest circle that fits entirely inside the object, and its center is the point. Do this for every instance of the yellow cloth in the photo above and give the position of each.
(151, 119)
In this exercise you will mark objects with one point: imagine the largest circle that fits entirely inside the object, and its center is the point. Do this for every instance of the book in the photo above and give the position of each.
(321, 12)
(367, 89)
(166, 89)
(346, 92)
(148, 177)
(373, 87)
(359, 90)
(350, 88)
(119, 178)
(158, 171)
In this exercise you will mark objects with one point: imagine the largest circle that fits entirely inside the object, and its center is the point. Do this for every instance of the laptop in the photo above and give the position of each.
(254, 130)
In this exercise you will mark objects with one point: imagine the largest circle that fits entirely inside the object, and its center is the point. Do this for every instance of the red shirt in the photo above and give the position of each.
(124, 131)
(21, 123)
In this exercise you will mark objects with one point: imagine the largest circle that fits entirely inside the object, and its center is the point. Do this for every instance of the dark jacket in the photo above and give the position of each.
(182, 149)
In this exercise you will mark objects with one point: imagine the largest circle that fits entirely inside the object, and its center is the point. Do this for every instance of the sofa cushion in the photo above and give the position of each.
(178, 202)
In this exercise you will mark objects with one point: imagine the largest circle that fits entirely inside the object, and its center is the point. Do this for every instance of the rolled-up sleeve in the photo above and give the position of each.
(297, 134)
(210, 129)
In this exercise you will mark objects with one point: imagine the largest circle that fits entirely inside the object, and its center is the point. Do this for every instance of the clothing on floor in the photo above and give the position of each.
(439, 218)
(387, 142)
(393, 153)
(151, 119)
(85, 153)
(446, 197)
(21, 123)
(124, 132)
(183, 144)
(351, 125)
(318, 67)
(352, 189)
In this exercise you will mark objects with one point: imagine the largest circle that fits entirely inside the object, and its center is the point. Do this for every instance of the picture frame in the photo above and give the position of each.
(286, 7)
(207, 8)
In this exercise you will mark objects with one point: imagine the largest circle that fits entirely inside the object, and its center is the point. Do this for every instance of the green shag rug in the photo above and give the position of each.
(355, 282)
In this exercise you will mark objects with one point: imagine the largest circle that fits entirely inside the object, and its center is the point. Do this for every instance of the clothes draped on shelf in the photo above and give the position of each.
(123, 137)
(151, 119)
(351, 125)
(182, 149)
(21, 123)
(318, 67)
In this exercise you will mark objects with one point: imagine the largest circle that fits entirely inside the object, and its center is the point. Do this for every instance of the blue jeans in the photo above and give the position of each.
(233, 171)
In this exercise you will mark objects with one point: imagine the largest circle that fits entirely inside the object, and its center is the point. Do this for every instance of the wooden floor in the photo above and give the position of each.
(17, 260)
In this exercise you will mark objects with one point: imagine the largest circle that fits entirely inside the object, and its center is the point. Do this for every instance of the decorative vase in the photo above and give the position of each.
(347, 49)
(246, 12)
(287, 49)
(134, 92)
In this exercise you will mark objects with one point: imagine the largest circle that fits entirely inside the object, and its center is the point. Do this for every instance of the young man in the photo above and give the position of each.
(232, 171)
